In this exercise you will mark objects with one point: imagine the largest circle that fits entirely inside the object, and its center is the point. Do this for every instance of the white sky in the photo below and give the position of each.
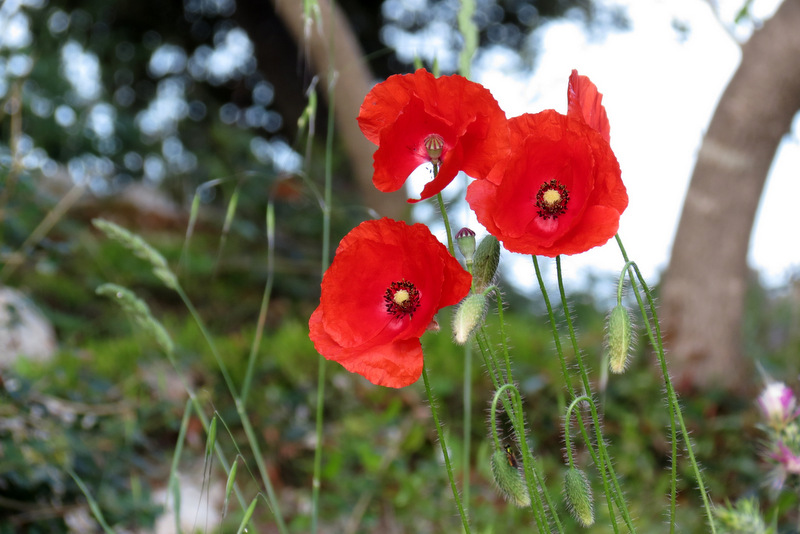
(660, 92)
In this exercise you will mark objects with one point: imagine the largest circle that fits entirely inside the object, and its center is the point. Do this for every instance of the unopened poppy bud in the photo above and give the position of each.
(465, 239)
(487, 258)
(619, 335)
(508, 479)
(468, 316)
(578, 494)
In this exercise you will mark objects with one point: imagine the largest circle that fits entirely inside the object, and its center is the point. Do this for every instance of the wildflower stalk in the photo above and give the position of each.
(140, 312)
(467, 380)
(246, 425)
(262, 314)
(656, 340)
(316, 481)
(601, 444)
(673, 492)
(443, 445)
(446, 220)
(577, 490)
(501, 384)
(596, 458)
(533, 478)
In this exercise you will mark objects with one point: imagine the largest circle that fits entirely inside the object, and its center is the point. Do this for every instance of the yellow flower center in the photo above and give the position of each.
(401, 296)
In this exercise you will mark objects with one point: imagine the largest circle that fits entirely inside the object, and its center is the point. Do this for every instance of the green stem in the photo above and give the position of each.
(467, 400)
(567, 441)
(601, 444)
(446, 220)
(262, 314)
(316, 482)
(534, 480)
(656, 340)
(596, 456)
(467, 379)
(516, 416)
(443, 445)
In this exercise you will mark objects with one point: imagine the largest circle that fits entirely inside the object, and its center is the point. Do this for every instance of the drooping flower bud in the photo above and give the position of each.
(487, 258)
(465, 239)
(508, 478)
(468, 316)
(578, 494)
(619, 334)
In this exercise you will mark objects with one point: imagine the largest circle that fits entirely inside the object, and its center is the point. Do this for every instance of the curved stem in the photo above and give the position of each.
(656, 340)
(567, 442)
(533, 482)
(616, 494)
(597, 459)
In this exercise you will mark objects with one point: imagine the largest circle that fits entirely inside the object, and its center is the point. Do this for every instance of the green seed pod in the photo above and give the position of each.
(468, 317)
(618, 337)
(508, 479)
(487, 258)
(465, 239)
(578, 495)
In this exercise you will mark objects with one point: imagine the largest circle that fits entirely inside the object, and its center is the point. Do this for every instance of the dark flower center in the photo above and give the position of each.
(434, 144)
(552, 199)
(402, 298)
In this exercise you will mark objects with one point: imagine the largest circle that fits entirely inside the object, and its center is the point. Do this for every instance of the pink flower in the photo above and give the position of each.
(788, 464)
(778, 404)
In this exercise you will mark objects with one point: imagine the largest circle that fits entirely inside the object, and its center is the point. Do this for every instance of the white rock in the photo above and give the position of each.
(24, 331)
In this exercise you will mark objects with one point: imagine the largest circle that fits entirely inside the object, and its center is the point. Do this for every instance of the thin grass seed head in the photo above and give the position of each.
(140, 249)
(139, 311)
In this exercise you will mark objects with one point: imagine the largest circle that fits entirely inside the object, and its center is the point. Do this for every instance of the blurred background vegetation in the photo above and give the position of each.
(180, 122)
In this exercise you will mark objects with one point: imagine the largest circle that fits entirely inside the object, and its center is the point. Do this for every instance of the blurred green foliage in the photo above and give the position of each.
(381, 462)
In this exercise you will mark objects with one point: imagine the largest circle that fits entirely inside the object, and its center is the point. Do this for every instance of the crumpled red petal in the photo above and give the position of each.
(586, 103)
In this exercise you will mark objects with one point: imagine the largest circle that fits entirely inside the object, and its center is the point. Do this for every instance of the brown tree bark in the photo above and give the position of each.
(704, 287)
(333, 48)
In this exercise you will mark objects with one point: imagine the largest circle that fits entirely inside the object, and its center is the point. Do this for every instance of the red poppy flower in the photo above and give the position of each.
(379, 295)
(560, 191)
(449, 121)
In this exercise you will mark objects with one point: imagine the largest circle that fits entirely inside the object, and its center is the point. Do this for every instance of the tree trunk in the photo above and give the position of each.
(351, 81)
(704, 287)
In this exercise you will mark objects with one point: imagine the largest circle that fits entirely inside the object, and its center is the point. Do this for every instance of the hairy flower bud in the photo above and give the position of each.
(744, 516)
(468, 317)
(487, 258)
(508, 479)
(618, 337)
(578, 494)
